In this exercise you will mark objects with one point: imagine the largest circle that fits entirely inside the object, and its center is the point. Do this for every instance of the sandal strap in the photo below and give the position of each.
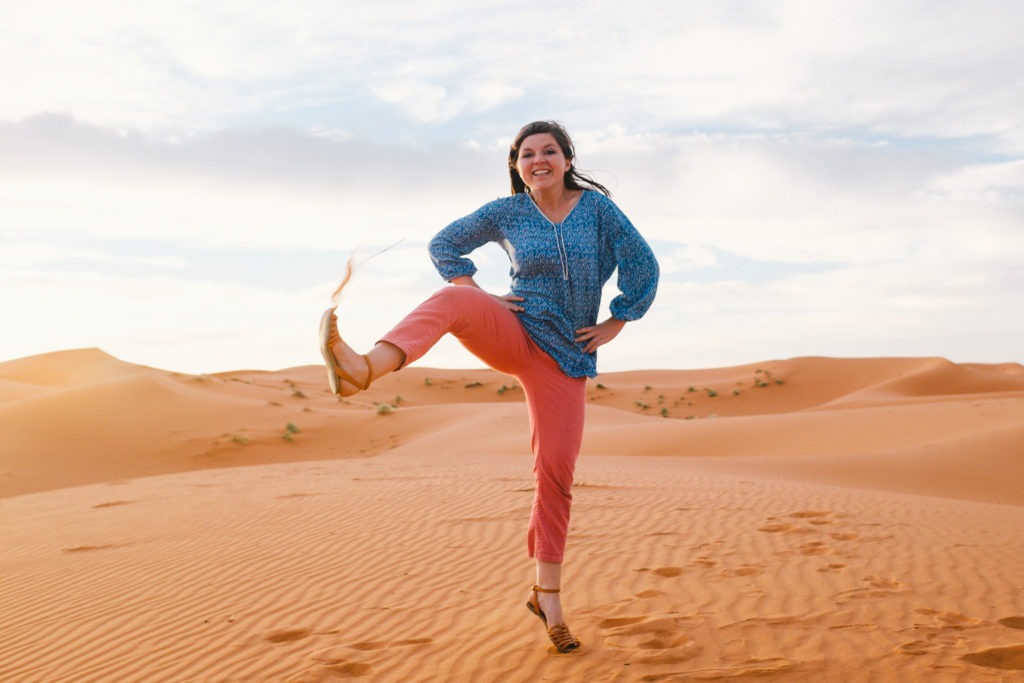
(369, 371)
(538, 589)
(564, 640)
(333, 337)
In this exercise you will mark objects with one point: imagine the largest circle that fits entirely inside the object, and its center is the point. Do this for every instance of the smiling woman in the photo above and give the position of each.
(565, 238)
(559, 146)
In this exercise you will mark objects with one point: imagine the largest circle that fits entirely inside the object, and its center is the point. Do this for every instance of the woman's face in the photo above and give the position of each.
(541, 163)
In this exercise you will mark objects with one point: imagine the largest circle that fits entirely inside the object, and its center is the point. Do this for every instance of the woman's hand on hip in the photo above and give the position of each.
(507, 300)
(599, 334)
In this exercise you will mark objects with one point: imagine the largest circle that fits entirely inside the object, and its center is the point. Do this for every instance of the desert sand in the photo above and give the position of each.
(810, 519)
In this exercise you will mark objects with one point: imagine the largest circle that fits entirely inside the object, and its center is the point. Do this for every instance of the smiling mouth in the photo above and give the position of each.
(542, 173)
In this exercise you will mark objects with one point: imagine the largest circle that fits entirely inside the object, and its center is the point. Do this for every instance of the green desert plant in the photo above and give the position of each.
(383, 409)
(289, 430)
(471, 385)
(240, 439)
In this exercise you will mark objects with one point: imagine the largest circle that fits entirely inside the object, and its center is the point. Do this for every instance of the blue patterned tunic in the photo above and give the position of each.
(558, 269)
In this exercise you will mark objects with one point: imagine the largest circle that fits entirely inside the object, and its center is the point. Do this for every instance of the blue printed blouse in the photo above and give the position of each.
(559, 270)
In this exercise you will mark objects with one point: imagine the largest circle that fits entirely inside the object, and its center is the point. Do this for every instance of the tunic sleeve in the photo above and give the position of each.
(449, 247)
(638, 269)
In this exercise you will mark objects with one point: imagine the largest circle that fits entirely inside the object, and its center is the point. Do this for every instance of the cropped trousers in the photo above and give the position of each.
(555, 401)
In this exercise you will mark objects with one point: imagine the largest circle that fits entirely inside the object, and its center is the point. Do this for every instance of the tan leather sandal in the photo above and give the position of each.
(335, 373)
(559, 634)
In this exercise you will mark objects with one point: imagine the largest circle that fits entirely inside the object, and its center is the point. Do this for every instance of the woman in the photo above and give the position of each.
(564, 237)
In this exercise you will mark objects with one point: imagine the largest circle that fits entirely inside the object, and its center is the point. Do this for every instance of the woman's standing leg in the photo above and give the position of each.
(556, 405)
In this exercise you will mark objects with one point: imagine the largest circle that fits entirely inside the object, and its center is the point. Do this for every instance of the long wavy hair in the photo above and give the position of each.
(574, 180)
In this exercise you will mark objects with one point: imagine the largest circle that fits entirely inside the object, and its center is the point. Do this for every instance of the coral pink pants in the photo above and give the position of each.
(555, 401)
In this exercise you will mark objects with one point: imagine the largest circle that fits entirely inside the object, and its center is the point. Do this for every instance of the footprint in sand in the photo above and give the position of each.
(743, 570)
(813, 515)
(667, 572)
(380, 644)
(89, 548)
(661, 640)
(948, 620)
(329, 668)
(876, 587)
(917, 647)
(287, 635)
(1010, 657)
(703, 562)
(782, 527)
(337, 661)
(815, 548)
(882, 583)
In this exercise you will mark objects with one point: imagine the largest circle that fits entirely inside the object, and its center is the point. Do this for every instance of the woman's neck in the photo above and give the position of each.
(556, 203)
(555, 198)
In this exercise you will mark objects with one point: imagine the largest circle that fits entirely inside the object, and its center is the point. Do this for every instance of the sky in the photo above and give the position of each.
(182, 183)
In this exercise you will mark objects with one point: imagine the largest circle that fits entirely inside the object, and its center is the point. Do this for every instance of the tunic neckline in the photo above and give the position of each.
(573, 208)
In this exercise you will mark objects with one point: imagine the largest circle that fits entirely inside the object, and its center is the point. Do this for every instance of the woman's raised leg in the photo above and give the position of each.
(483, 325)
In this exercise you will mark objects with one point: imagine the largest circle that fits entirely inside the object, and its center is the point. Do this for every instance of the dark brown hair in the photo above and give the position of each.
(574, 180)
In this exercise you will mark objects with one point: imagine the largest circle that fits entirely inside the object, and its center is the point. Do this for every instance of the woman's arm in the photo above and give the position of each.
(638, 277)
(637, 267)
(449, 247)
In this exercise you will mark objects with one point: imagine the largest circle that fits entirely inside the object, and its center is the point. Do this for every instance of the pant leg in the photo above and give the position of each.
(556, 404)
(482, 324)
(555, 401)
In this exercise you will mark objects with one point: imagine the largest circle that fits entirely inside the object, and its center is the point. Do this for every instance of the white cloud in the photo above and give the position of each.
(792, 198)
(686, 259)
(421, 100)
(899, 69)
(1000, 182)
(30, 254)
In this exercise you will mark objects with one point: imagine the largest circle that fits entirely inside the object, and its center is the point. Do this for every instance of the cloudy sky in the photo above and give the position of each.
(181, 183)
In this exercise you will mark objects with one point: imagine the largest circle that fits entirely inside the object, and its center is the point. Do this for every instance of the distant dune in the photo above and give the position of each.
(801, 519)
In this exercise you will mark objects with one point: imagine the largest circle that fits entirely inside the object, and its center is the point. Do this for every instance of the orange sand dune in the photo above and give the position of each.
(804, 519)
(82, 417)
